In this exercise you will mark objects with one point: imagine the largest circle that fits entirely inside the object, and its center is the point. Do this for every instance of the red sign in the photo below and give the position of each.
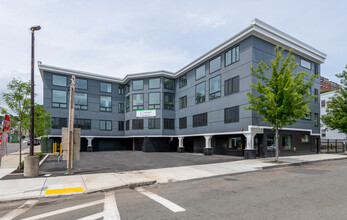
(6, 124)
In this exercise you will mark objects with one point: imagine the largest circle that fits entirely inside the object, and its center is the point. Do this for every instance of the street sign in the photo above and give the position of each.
(6, 124)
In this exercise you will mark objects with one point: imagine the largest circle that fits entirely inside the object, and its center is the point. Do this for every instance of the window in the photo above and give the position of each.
(316, 94)
(231, 115)
(154, 123)
(127, 125)
(81, 83)
(200, 72)
(137, 124)
(120, 125)
(59, 80)
(305, 138)
(183, 123)
(105, 87)
(137, 85)
(154, 100)
(82, 123)
(120, 107)
(127, 103)
(81, 101)
(59, 123)
(183, 81)
(234, 143)
(121, 90)
(287, 142)
(105, 125)
(200, 120)
(324, 133)
(138, 101)
(305, 63)
(183, 102)
(127, 88)
(169, 84)
(169, 123)
(59, 99)
(307, 116)
(105, 104)
(215, 64)
(231, 85)
(200, 93)
(232, 56)
(322, 103)
(316, 70)
(215, 87)
(316, 119)
(270, 142)
(154, 83)
(169, 101)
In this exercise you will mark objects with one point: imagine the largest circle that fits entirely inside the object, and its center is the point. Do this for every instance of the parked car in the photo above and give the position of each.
(36, 141)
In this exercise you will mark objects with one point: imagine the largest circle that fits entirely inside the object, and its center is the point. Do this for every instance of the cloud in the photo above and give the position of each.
(204, 20)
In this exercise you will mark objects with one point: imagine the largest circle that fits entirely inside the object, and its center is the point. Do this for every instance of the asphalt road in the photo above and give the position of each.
(313, 191)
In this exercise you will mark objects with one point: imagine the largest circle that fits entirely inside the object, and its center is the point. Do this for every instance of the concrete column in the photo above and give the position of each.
(208, 149)
(250, 151)
(180, 148)
(90, 146)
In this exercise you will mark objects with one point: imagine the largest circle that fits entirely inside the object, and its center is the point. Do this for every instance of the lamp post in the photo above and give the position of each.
(32, 109)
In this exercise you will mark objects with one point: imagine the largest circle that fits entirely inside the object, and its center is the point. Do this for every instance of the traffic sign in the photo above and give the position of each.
(6, 124)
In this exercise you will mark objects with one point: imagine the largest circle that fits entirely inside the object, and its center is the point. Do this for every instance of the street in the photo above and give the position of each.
(13, 147)
(312, 191)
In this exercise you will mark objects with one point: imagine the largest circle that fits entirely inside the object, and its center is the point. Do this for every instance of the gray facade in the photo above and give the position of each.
(225, 71)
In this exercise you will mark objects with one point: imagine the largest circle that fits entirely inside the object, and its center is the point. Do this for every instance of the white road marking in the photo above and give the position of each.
(93, 217)
(23, 208)
(69, 209)
(110, 207)
(168, 204)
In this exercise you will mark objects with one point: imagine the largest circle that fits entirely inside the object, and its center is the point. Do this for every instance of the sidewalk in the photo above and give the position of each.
(55, 186)
(10, 162)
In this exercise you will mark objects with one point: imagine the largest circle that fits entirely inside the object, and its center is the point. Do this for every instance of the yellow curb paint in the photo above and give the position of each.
(62, 191)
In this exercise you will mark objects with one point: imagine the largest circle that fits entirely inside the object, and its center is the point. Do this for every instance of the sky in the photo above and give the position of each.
(117, 38)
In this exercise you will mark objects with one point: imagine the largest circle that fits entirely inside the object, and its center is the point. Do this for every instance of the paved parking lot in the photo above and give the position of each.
(119, 161)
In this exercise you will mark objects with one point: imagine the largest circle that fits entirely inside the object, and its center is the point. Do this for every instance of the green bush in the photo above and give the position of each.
(21, 165)
(40, 155)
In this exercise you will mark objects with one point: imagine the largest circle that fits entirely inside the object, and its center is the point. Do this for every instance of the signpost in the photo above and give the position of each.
(6, 124)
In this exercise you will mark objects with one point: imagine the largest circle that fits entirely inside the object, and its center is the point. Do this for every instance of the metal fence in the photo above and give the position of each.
(332, 146)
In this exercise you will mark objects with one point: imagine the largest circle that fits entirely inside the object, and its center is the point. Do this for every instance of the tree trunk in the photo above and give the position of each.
(276, 144)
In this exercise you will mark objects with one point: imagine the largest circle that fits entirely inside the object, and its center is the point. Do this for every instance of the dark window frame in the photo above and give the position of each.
(202, 99)
(169, 86)
(197, 74)
(154, 106)
(134, 86)
(220, 64)
(138, 107)
(302, 59)
(107, 109)
(216, 94)
(121, 89)
(66, 79)
(183, 123)
(229, 117)
(137, 124)
(127, 125)
(87, 123)
(60, 123)
(182, 81)
(159, 86)
(153, 123)
(105, 83)
(77, 78)
(59, 103)
(237, 59)
(185, 103)
(121, 107)
(105, 128)
(78, 106)
(169, 123)
(232, 85)
(169, 106)
(127, 101)
(120, 125)
(200, 120)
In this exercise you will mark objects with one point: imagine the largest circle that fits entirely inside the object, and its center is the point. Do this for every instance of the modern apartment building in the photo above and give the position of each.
(327, 85)
(199, 108)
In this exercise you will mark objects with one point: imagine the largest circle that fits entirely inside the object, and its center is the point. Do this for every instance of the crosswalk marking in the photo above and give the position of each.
(60, 211)
(23, 208)
(168, 204)
(110, 207)
(93, 217)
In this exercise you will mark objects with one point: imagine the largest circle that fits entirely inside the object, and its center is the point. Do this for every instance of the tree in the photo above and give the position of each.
(280, 96)
(336, 117)
(17, 99)
(42, 123)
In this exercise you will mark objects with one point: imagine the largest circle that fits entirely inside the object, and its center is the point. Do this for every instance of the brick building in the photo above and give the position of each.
(327, 85)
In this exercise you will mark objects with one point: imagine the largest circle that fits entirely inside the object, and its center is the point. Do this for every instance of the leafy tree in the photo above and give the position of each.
(336, 117)
(281, 96)
(42, 123)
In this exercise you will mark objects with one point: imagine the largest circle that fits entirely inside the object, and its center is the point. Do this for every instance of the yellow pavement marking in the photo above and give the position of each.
(61, 191)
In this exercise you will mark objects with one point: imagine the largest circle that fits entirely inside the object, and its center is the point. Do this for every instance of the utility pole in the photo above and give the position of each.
(71, 124)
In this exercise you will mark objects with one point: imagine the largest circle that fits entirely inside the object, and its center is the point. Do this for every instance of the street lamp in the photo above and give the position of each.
(32, 109)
